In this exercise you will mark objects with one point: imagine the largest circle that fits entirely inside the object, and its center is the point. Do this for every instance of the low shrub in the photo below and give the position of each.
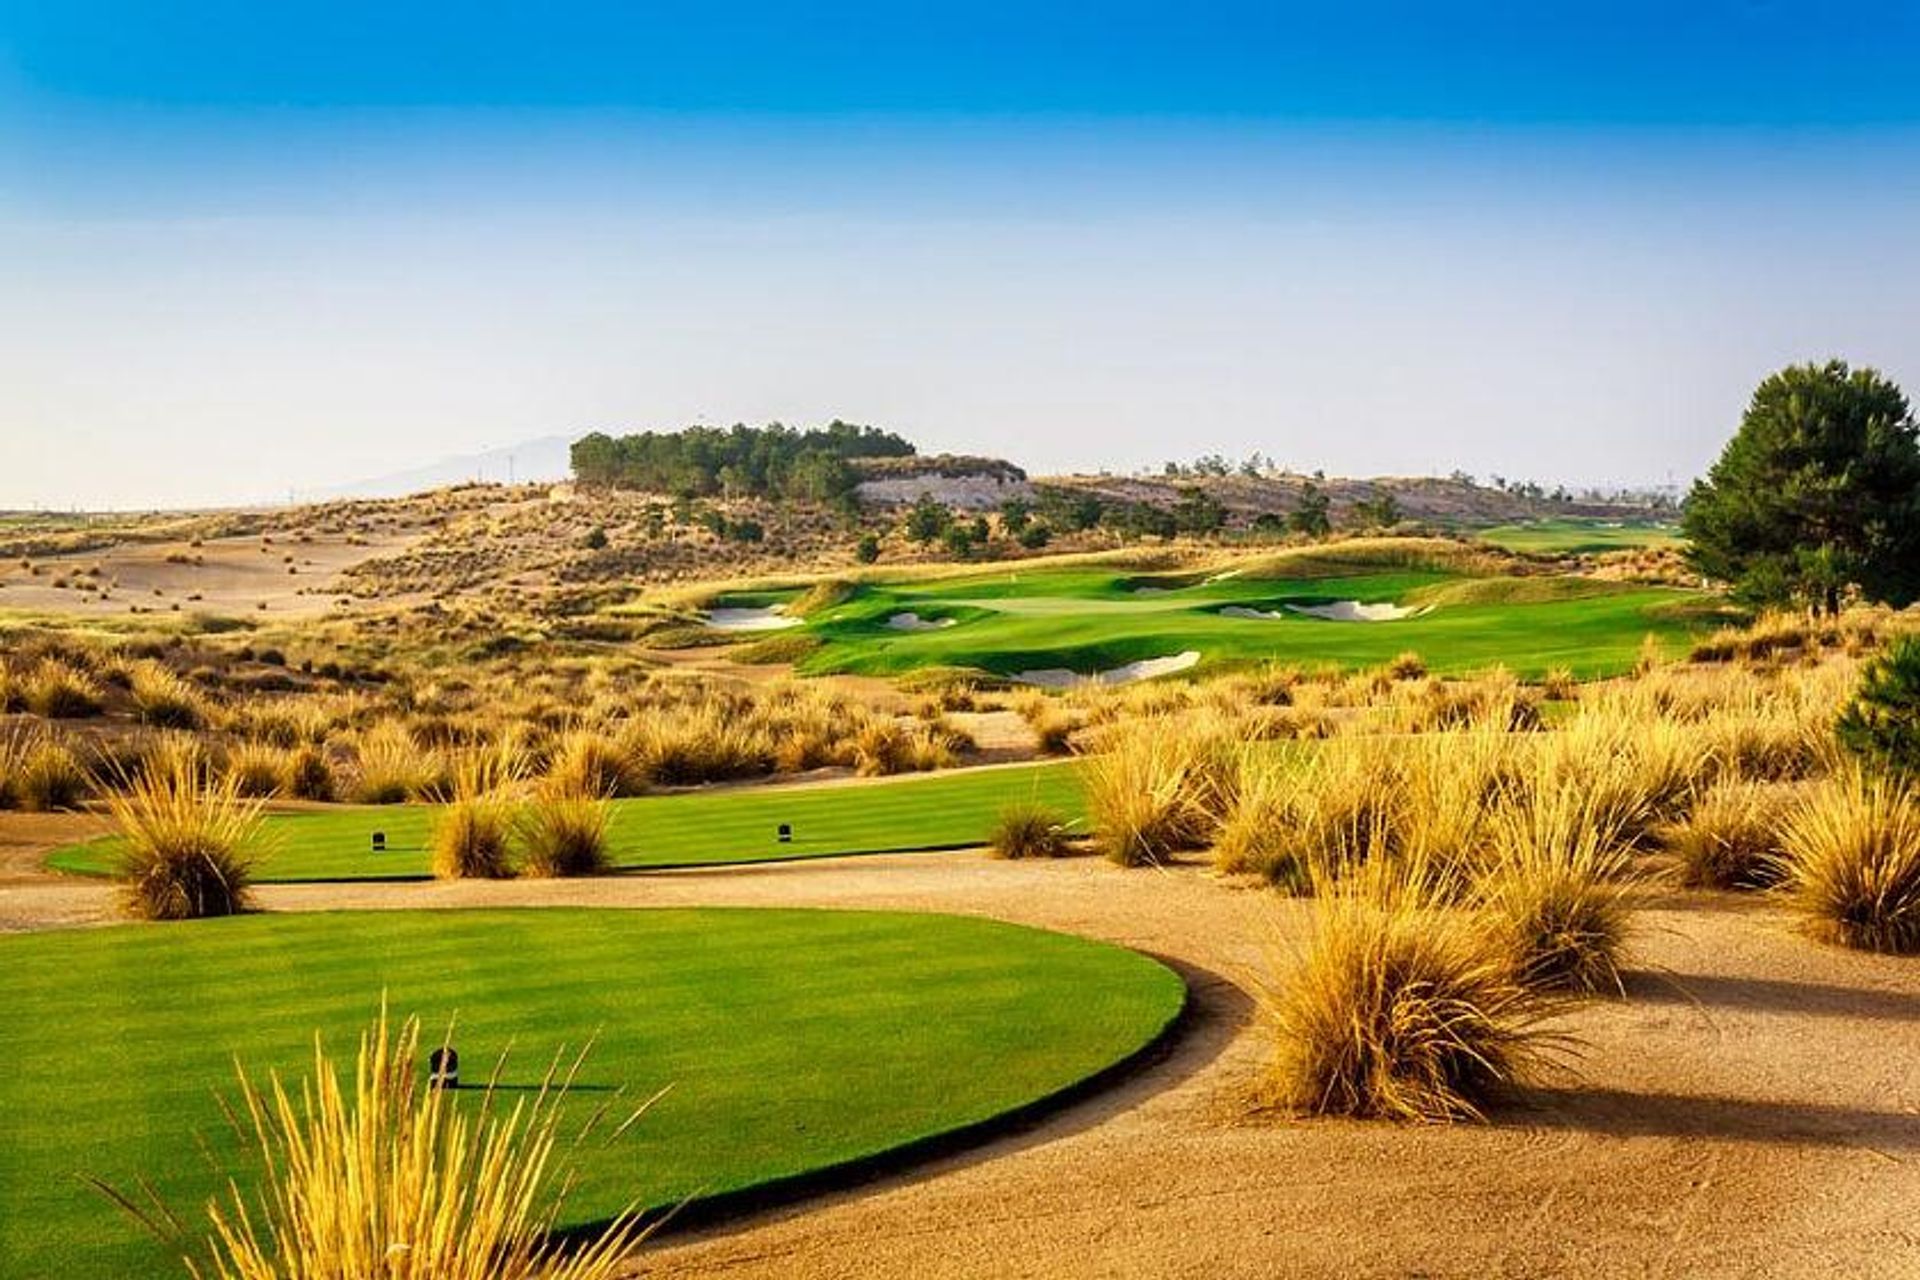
(1881, 721)
(1029, 830)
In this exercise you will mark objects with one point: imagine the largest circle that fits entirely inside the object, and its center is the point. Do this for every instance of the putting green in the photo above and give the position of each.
(1011, 620)
(1570, 535)
(740, 824)
(794, 1041)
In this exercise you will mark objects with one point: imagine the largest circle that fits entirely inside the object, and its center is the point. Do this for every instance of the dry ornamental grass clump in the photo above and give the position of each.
(471, 837)
(1401, 1010)
(1851, 863)
(563, 835)
(185, 840)
(1029, 830)
(1158, 790)
(1555, 890)
(1733, 837)
(163, 700)
(375, 1176)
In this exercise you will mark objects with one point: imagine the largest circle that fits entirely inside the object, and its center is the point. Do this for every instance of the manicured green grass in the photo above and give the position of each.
(737, 824)
(1090, 619)
(1576, 536)
(793, 1041)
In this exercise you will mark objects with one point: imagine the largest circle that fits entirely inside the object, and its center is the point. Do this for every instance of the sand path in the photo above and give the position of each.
(1753, 1109)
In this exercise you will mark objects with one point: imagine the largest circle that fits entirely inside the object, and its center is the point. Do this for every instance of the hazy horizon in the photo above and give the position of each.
(248, 252)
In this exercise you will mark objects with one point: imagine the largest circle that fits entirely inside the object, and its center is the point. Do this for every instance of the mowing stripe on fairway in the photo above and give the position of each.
(697, 828)
(794, 1041)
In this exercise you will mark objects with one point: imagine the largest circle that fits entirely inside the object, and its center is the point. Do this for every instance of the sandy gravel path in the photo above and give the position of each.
(1753, 1109)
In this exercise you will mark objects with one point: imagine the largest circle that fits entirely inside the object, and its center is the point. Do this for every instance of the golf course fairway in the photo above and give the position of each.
(696, 828)
(793, 1041)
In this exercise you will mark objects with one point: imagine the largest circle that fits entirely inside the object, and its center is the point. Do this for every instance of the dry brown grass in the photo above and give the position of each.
(1400, 1009)
(1851, 863)
(375, 1175)
(186, 841)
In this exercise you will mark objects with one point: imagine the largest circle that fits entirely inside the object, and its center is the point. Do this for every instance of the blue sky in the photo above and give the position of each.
(252, 246)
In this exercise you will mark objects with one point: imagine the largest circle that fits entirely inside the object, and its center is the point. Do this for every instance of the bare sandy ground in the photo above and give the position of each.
(222, 575)
(1751, 1109)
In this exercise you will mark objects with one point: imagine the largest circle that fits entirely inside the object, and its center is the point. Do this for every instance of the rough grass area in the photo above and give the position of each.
(793, 1041)
(1096, 617)
(946, 810)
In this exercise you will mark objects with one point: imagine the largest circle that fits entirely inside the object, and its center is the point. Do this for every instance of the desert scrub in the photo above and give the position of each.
(162, 699)
(588, 763)
(471, 837)
(185, 840)
(306, 774)
(56, 691)
(563, 835)
(1028, 830)
(1851, 863)
(1732, 839)
(40, 775)
(1403, 1011)
(1555, 891)
(1881, 722)
(256, 769)
(1158, 789)
(391, 769)
(354, 1162)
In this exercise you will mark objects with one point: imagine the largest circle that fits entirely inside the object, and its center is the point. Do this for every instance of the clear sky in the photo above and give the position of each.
(246, 247)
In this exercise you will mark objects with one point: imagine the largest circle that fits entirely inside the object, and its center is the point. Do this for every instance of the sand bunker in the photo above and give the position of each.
(750, 619)
(1354, 611)
(1338, 611)
(1145, 669)
(914, 622)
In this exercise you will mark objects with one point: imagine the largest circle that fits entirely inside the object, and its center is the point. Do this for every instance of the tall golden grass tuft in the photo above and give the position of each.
(387, 1179)
(1157, 790)
(471, 837)
(1402, 1010)
(1026, 829)
(1555, 890)
(1732, 838)
(1851, 863)
(563, 835)
(587, 763)
(185, 840)
(162, 699)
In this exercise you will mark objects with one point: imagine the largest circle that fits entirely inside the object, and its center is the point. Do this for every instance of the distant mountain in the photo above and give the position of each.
(544, 460)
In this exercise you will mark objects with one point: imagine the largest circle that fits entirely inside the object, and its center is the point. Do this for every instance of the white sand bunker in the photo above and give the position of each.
(1354, 611)
(914, 622)
(750, 619)
(1145, 669)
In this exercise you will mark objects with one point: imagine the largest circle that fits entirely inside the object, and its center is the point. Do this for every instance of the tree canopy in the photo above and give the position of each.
(740, 461)
(1816, 495)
